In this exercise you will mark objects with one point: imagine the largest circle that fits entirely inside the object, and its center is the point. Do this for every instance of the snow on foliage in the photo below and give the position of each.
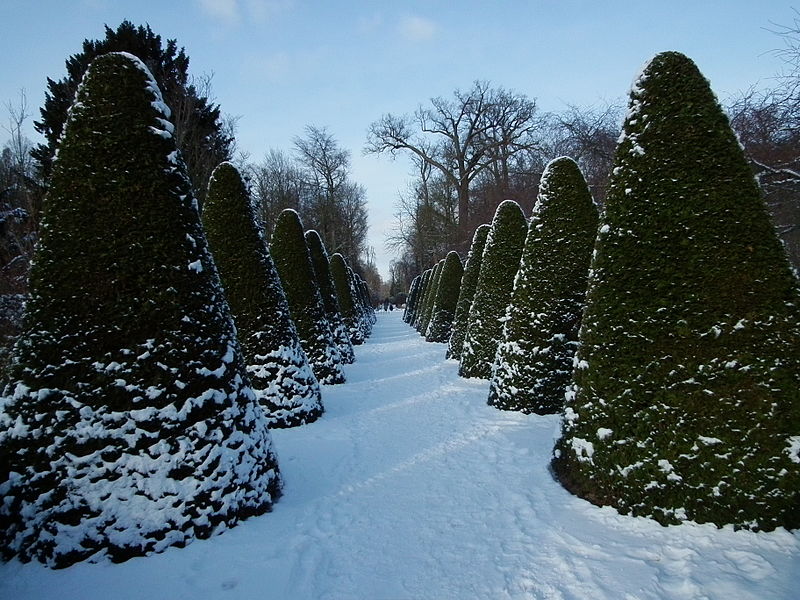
(277, 366)
(499, 266)
(533, 365)
(444, 303)
(293, 263)
(689, 338)
(128, 424)
(469, 282)
(327, 290)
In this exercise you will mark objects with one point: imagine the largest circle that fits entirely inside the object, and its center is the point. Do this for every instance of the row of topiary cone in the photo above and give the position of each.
(668, 333)
(157, 350)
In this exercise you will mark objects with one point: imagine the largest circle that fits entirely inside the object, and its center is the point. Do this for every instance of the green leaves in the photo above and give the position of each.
(686, 253)
(276, 363)
(493, 292)
(533, 366)
(128, 369)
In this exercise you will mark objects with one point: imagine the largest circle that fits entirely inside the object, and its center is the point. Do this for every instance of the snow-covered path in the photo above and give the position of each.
(411, 487)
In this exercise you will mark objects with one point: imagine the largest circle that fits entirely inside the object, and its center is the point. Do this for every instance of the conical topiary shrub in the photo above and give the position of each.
(533, 365)
(444, 304)
(293, 262)
(493, 291)
(276, 363)
(366, 299)
(687, 390)
(128, 425)
(344, 294)
(361, 301)
(469, 281)
(322, 271)
(411, 299)
(419, 309)
(430, 296)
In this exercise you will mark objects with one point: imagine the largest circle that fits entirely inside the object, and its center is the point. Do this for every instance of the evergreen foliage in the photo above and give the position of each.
(366, 315)
(276, 363)
(469, 282)
(533, 366)
(200, 132)
(444, 304)
(293, 262)
(686, 402)
(430, 297)
(493, 291)
(424, 288)
(322, 271)
(347, 303)
(128, 425)
(411, 299)
(366, 301)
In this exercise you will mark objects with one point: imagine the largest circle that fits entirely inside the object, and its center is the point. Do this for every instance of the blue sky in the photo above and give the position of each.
(284, 64)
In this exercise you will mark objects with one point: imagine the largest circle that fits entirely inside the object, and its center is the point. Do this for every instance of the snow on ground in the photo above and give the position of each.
(411, 487)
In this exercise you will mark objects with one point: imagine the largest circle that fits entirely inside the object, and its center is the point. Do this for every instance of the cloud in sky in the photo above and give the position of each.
(417, 29)
(230, 12)
(226, 11)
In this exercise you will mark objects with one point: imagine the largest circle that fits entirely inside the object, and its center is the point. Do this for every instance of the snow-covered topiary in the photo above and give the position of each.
(469, 281)
(351, 315)
(430, 297)
(366, 302)
(493, 291)
(129, 424)
(424, 287)
(686, 402)
(322, 271)
(533, 366)
(411, 299)
(293, 262)
(444, 304)
(276, 363)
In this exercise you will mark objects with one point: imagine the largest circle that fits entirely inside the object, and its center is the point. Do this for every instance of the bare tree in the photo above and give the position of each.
(768, 126)
(20, 201)
(314, 181)
(325, 166)
(276, 183)
(460, 137)
(588, 135)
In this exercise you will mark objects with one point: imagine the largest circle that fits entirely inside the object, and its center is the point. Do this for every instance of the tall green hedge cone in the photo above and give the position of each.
(411, 299)
(533, 365)
(128, 425)
(278, 367)
(686, 402)
(419, 309)
(366, 302)
(430, 296)
(351, 315)
(363, 307)
(322, 271)
(293, 263)
(444, 304)
(499, 266)
(469, 282)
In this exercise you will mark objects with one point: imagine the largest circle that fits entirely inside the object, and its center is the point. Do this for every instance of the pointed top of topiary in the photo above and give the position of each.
(327, 290)
(533, 365)
(293, 262)
(444, 302)
(493, 292)
(469, 282)
(278, 367)
(690, 328)
(128, 370)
